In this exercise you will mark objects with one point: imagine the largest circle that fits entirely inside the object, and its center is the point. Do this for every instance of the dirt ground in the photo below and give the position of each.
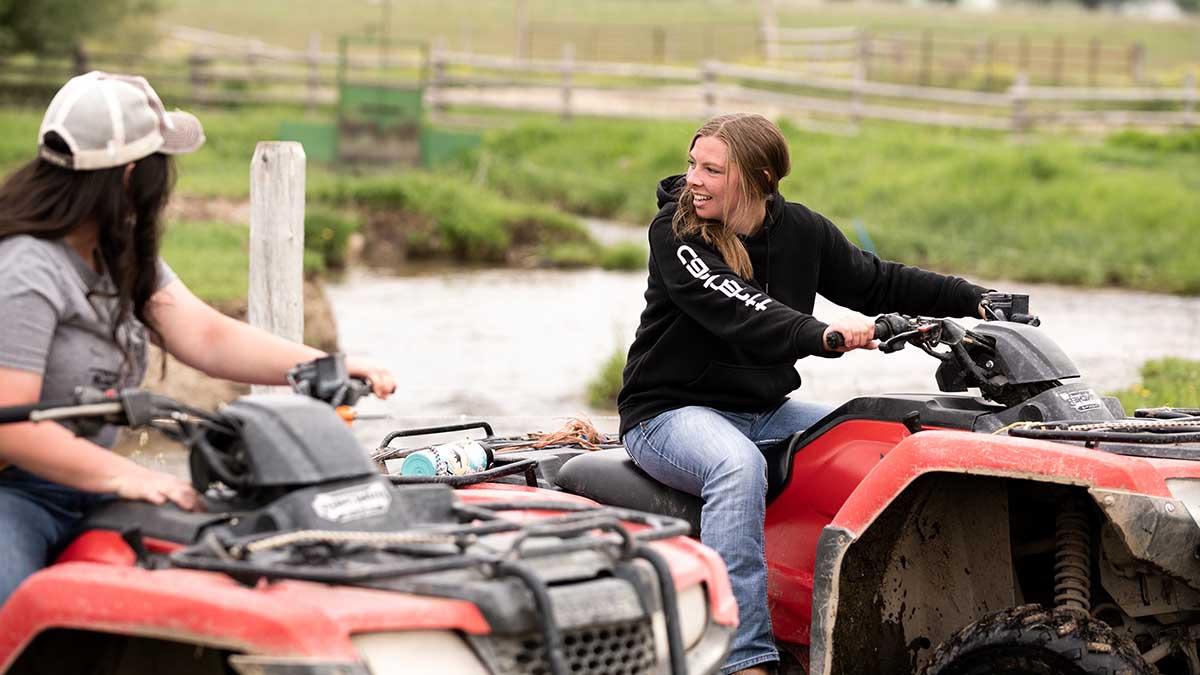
(196, 388)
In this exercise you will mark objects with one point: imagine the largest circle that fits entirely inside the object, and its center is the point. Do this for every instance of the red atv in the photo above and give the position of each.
(1031, 529)
(309, 561)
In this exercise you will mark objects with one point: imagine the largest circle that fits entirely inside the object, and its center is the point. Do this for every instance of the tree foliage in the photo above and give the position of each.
(50, 26)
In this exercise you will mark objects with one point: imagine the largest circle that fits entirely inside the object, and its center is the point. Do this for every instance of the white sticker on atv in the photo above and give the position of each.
(353, 503)
(1082, 400)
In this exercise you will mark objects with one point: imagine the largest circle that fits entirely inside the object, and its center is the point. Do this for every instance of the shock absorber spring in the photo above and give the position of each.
(1073, 558)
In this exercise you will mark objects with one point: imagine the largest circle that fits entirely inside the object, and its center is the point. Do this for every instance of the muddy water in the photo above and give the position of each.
(518, 347)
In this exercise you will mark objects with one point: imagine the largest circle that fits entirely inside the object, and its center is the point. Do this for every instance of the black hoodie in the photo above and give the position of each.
(709, 337)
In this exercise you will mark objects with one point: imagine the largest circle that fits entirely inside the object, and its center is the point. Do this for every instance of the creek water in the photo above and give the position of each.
(518, 346)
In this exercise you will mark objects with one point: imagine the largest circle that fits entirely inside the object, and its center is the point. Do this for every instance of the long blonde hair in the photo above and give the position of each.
(758, 150)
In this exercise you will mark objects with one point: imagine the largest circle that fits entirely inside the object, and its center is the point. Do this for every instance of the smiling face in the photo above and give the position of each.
(712, 179)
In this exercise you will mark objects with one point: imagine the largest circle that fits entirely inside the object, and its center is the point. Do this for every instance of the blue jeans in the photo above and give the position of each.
(715, 455)
(37, 519)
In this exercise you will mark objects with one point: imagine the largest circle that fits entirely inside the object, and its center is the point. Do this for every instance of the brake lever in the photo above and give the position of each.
(929, 334)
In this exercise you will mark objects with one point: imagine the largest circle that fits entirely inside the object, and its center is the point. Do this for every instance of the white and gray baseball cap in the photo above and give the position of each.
(110, 120)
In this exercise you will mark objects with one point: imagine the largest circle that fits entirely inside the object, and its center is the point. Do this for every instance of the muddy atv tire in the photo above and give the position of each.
(1032, 640)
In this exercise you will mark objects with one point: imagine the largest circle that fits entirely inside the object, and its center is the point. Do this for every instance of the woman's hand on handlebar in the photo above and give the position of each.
(857, 332)
(156, 487)
(382, 382)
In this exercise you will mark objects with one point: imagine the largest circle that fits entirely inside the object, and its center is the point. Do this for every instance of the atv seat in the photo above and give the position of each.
(611, 477)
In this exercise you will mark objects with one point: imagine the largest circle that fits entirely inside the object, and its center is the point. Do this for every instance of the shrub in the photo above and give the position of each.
(468, 222)
(1165, 382)
(603, 389)
(624, 256)
(326, 234)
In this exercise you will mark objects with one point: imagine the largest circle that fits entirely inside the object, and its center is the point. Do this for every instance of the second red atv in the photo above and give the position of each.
(309, 562)
(1030, 529)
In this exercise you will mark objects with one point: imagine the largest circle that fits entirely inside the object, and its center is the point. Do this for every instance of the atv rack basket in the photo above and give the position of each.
(371, 559)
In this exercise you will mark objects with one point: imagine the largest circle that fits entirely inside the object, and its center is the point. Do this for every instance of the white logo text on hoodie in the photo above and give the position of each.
(728, 286)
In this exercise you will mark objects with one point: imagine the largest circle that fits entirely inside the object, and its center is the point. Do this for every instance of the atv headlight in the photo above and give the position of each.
(1187, 490)
(422, 651)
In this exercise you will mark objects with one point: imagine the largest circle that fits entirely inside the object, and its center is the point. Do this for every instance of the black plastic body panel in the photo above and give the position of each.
(294, 440)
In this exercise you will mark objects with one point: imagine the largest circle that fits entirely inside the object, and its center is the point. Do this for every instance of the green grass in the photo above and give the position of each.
(211, 258)
(221, 168)
(446, 215)
(465, 221)
(603, 388)
(1124, 212)
(326, 235)
(1165, 382)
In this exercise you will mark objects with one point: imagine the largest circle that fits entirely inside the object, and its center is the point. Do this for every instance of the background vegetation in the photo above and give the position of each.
(1122, 211)
(1173, 382)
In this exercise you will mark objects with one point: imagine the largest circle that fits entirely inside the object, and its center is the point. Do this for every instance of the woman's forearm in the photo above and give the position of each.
(50, 451)
(237, 351)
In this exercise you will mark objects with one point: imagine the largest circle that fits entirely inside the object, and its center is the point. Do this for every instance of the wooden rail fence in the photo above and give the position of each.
(568, 86)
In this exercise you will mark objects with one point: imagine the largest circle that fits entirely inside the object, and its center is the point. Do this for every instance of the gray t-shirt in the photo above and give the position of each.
(56, 319)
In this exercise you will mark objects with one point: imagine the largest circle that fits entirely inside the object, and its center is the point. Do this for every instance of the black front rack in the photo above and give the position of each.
(336, 557)
(1163, 426)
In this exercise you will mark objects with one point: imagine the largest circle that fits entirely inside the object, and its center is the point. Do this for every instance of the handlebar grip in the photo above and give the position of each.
(883, 329)
(20, 413)
(16, 413)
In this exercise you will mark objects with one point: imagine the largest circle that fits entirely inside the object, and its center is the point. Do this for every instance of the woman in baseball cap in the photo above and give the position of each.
(82, 290)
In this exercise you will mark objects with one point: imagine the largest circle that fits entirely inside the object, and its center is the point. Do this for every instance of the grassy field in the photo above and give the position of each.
(1124, 211)
(690, 30)
(211, 258)
(429, 214)
(1173, 382)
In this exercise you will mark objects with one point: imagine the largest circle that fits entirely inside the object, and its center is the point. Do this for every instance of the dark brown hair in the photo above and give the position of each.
(50, 202)
(758, 156)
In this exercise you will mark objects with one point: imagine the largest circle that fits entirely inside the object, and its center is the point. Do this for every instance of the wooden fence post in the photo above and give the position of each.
(856, 96)
(990, 55)
(313, 60)
(1093, 62)
(568, 66)
(864, 53)
(1023, 54)
(769, 29)
(926, 58)
(276, 298)
(521, 10)
(1137, 62)
(658, 38)
(437, 80)
(708, 77)
(1057, 67)
(79, 60)
(1189, 101)
(1019, 93)
(197, 77)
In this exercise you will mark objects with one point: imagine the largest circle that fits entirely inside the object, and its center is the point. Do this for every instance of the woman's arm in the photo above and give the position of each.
(48, 450)
(860, 280)
(224, 347)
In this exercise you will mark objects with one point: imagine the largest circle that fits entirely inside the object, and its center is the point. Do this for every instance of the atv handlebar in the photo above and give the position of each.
(893, 330)
(887, 326)
(326, 379)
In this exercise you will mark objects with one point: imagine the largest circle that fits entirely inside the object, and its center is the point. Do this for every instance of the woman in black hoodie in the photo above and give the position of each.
(734, 272)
